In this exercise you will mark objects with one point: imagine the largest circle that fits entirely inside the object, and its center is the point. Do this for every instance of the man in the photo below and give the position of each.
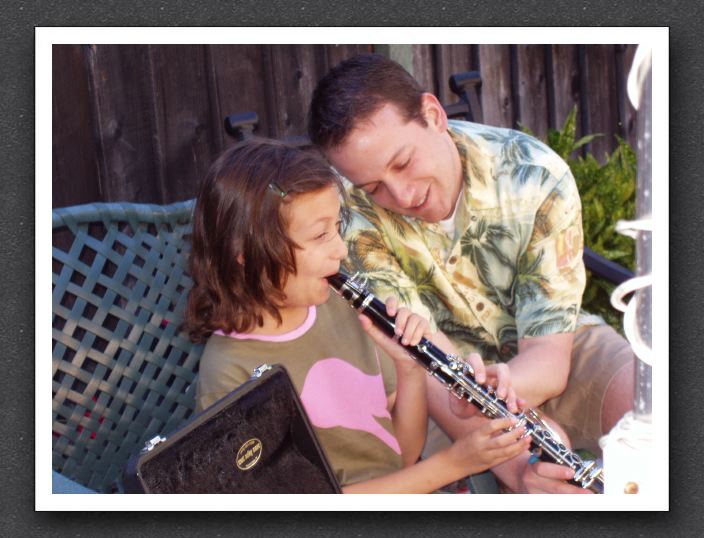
(479, 229)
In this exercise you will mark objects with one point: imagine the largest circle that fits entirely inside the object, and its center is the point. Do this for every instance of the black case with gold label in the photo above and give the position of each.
(257, 439)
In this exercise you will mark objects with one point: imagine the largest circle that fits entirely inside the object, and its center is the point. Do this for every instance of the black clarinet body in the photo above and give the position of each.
(458, 377)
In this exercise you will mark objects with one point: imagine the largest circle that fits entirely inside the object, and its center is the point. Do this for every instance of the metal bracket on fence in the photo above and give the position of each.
(241, 126)
(466, 86)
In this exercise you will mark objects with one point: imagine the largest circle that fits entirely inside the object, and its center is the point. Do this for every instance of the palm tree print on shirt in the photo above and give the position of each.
(484, 244)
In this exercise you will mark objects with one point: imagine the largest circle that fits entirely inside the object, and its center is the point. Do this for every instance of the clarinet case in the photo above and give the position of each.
(257, 439)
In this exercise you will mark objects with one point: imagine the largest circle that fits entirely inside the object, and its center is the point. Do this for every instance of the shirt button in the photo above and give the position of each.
(452, 260)
(480, 307)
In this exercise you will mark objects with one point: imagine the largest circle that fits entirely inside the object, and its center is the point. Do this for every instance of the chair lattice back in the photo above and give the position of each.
(122, 370)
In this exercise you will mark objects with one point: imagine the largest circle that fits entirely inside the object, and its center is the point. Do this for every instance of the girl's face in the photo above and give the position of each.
(313, 224)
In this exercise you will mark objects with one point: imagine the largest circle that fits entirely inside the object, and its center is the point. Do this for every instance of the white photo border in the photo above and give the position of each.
(654, 37)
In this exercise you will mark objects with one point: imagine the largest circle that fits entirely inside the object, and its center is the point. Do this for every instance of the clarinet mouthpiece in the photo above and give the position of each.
(337, 280)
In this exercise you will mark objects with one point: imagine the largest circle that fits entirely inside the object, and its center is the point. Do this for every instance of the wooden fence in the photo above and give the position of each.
(142, 123)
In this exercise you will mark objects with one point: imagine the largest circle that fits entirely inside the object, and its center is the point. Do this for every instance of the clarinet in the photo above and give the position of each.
(458, 377)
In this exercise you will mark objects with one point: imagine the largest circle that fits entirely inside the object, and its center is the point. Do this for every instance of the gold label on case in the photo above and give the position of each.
(249, 453)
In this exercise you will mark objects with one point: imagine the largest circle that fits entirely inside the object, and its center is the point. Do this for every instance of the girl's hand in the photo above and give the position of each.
(489, 445)
(410, 328)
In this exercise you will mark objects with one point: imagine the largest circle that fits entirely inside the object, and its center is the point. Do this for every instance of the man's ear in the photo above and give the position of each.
(433, 112)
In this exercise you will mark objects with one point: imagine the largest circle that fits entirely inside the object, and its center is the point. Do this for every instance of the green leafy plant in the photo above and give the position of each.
(607, 191)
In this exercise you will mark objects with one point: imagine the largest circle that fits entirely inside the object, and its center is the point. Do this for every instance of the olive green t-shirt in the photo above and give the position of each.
(342, 378)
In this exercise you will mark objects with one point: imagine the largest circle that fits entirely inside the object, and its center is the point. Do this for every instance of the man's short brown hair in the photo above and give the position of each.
(356, 88)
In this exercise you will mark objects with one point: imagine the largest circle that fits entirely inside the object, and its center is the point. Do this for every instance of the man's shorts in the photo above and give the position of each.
(598, 354)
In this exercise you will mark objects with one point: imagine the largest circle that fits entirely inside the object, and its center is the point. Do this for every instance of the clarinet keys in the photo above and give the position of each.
(458, 377)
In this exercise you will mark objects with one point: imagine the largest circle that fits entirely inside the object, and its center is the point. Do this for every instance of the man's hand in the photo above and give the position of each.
(498, 376)
(520, 476)
(544, 477)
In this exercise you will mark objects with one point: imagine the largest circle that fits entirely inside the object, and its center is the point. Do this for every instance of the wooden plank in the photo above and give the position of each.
(293, 71)
(565, 85)
(239, 85)
(122, 93)
(75, 169)
(532, 89)
(451, 59)
(630, 115)
(600, 72)
(149, 126)
(334, 54)
(423, 67)
(186, 133)
(496, 99)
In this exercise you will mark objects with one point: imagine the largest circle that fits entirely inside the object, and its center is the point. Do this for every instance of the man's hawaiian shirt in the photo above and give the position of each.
(513, 268)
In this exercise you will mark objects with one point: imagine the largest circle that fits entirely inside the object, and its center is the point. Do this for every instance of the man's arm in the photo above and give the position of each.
(540, 370)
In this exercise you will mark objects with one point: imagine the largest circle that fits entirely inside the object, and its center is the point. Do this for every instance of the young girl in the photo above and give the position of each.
(265, 237)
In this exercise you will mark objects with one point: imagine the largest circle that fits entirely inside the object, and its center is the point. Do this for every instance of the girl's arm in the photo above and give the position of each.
(409, 411)
(482, 448)
(476, 451)
(423, 477)
(410, 414)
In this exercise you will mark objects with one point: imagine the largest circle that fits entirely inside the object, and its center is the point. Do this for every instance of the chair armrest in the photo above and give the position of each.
(607, 269)
(61, 484)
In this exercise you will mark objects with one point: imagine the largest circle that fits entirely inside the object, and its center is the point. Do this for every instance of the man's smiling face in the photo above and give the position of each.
(405, 167)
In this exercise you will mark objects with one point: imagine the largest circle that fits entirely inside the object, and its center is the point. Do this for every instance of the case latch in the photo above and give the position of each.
(259, 370)
(149, 445)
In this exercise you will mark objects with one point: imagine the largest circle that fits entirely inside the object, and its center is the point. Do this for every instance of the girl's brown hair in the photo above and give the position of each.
(241, 252)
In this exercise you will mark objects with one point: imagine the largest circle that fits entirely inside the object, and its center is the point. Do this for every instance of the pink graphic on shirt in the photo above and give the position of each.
(335, 393)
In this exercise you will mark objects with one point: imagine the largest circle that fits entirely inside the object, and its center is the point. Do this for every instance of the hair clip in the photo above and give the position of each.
(276, 189)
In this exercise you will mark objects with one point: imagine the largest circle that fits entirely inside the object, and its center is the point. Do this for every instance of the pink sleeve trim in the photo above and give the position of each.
(286, 337)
